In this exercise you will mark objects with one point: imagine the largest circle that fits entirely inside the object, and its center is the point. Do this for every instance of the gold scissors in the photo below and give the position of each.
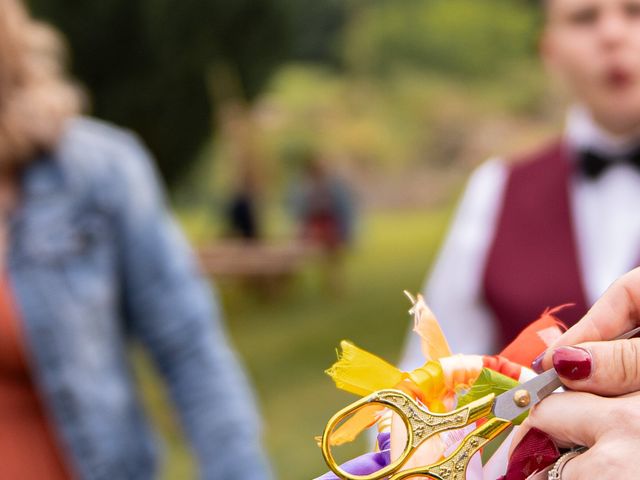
(421, 424)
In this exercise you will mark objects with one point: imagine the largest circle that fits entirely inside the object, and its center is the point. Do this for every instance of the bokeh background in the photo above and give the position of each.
(400, 99)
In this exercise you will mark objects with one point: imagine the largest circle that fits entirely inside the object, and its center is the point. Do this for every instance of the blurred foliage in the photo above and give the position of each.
(429, 84)
(164, 67)
(463, 37)
(148, 64)
(384, 129)
(316, 29)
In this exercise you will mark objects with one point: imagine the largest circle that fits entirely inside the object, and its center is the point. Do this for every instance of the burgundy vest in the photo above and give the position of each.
(533, 260)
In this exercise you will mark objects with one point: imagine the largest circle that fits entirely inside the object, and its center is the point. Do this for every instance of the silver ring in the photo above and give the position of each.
(556, 472)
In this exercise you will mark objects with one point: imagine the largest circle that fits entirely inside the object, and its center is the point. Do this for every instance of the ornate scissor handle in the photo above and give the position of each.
(454, 467)
(420, 425)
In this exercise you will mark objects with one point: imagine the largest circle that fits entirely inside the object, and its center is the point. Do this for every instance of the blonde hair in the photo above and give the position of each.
(36, 97)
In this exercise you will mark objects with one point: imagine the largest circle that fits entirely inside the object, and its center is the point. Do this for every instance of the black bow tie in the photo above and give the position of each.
(593, 164)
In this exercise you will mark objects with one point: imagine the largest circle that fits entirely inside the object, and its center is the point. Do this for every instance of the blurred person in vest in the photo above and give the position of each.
(90, 260)
(558, 225)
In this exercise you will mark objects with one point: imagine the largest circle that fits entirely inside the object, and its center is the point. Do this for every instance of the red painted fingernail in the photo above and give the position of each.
(572, 363)
(536, 365)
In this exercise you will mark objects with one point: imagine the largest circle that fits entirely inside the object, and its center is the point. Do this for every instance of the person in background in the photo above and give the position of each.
(323, 205)
(558, 225)
(91, 260)
(242, 212)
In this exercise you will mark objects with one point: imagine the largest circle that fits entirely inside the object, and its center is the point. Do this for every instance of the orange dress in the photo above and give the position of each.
(28, 448)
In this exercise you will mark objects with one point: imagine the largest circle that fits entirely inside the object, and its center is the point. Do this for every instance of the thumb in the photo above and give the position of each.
(604, 368)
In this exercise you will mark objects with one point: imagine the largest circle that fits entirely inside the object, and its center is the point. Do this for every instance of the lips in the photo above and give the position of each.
(618, 77)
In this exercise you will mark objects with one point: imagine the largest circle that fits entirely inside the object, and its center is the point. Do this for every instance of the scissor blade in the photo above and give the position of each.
(630, 334)
(538, 388)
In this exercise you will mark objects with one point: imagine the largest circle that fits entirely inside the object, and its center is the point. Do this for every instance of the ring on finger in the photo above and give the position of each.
(556, 472)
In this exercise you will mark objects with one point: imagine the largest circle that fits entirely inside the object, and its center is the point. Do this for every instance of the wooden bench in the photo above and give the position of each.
(254, 260)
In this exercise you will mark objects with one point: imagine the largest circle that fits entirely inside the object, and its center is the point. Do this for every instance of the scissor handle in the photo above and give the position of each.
(419, 422)
(454, 467)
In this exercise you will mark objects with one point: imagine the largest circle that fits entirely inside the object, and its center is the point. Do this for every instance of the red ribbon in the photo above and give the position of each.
(530, 342)
(535, 452)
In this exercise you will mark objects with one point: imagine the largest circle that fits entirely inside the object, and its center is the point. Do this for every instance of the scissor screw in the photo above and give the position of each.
(522, 398)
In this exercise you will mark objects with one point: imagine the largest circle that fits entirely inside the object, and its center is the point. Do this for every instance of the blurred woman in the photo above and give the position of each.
(90, 260)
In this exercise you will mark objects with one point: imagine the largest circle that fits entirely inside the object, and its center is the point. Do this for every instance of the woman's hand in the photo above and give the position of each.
(603, 410)
(610, 427)
(616, 312)
(584, 358)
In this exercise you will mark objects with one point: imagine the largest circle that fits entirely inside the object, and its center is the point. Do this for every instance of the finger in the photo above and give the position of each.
(604, 368)
(579, 467)
(569, 417)
(615, 313)
(631, 395)
(602, 457)
(607, 460)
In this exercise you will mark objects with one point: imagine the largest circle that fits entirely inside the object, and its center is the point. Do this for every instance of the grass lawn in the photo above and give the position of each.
(287, 342)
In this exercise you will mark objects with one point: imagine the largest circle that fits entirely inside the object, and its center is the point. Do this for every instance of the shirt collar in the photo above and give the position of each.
(583, 133)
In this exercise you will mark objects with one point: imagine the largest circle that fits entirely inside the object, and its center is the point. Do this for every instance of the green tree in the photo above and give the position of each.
(467, 38)
(316, 28)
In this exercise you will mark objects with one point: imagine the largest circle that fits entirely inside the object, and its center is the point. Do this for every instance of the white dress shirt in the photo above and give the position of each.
(606, 213)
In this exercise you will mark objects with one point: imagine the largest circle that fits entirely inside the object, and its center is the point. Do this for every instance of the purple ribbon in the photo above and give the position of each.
(369, 462)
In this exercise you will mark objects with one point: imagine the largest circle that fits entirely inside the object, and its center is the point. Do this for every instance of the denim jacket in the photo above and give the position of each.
(96, 261)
